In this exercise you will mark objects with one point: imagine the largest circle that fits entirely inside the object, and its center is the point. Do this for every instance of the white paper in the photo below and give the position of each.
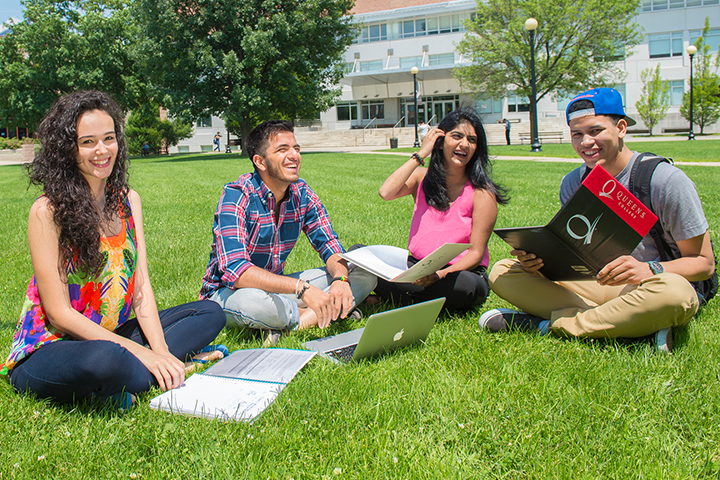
(218, 397)
(277, 365)
(390, 263)
(238, 387)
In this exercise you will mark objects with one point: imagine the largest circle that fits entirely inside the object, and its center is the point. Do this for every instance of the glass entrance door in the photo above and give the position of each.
(440, 109)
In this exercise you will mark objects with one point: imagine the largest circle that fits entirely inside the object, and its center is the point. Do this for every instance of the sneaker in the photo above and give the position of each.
(272, 337)
(663, 340)
(355, 315)
(501, 319)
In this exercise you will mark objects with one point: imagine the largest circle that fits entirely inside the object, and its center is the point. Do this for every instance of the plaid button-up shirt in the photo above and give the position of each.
(245, 232)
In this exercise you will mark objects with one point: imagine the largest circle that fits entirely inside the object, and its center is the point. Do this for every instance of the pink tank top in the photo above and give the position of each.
(432, 228)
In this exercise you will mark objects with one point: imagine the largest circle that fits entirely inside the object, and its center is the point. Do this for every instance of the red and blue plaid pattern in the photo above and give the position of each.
(245, 234)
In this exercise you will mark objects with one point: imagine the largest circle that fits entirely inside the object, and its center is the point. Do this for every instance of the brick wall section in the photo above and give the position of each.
(368, 6)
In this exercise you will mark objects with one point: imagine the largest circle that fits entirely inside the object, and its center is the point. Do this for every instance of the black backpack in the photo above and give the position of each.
(639, 185)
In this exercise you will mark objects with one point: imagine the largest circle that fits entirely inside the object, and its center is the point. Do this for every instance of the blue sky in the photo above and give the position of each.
(10, 8)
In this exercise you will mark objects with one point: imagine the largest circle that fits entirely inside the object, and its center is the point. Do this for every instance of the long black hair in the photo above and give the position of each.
(478, 169)
(55, 169)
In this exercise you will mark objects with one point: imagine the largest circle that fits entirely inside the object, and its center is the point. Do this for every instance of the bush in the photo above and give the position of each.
(10, 143)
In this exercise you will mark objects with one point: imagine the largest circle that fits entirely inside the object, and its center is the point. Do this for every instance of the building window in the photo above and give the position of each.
(204, 122)
(488, 105)
(414, 27)
(518, 104)
(656, 5)
(620, 87)
(371, 66)
(442, 59)
(666, 45)
(346, 111)
(677, 88)
(374, 33)
(712, 38)
(409, 62)
(373, 109)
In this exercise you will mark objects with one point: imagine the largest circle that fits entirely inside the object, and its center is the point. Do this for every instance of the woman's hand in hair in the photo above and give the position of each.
(429, 142)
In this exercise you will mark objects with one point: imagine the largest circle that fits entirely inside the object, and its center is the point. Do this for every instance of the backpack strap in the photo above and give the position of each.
(639, 185)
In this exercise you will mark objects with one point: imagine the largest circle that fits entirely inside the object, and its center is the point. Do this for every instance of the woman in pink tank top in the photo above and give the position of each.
(455, 202)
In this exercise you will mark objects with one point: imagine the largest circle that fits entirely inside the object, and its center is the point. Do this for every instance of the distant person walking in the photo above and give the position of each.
(216, 142)
(424, 129)
(507, 130)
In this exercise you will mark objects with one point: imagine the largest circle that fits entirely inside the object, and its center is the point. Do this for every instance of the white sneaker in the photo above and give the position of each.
(663, 340)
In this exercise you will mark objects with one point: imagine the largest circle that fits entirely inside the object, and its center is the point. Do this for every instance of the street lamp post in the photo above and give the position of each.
(414, 71)
(227, 144)
(530, 25)
(692, 50)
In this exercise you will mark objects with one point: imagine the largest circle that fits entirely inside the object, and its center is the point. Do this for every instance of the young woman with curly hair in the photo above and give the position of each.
(75, 337)
(455, 202)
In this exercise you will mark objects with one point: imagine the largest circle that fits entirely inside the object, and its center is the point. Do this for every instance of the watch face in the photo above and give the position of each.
(656, 267)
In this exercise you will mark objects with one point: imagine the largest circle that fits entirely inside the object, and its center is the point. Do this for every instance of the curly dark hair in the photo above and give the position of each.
(55, 169)
(478, 168)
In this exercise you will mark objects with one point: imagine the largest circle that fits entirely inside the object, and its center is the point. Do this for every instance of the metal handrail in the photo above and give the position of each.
(398, 123)
(366, 126)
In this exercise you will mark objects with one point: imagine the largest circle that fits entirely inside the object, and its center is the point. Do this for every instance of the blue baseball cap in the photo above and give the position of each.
(607, 101)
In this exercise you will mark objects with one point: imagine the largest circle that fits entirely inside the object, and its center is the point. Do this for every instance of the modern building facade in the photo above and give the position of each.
(397, 35)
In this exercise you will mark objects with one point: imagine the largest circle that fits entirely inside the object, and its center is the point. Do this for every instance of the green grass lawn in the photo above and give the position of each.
(681, 151)
(467, 404)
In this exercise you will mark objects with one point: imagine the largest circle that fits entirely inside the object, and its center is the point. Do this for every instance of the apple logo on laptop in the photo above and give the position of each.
(398, 335)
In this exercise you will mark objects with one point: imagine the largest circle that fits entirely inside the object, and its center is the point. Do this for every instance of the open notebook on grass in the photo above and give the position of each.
(390, 263)
(238, 387)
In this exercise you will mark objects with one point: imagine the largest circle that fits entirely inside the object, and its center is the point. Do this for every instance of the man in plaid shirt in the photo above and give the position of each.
(256, 225)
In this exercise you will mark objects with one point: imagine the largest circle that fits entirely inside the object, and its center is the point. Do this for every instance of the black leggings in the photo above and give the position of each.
(462, 290)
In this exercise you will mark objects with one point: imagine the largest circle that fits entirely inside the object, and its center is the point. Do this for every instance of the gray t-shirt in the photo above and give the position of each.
(674, 200)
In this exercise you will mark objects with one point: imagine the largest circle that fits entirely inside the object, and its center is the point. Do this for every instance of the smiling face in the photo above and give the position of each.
(459, 145)
(97, 146)
(598, 140)
(280, 166)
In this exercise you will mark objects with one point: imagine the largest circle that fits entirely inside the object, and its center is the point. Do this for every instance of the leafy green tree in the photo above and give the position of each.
(576, 45)
(63, 46)
(144, 125)
(706, 85)
(246, 60)
(654, 98)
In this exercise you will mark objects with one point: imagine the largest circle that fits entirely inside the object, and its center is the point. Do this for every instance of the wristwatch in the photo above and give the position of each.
(655, 267)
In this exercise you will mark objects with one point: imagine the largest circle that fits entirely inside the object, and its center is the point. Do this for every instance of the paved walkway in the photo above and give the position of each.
(16, 159)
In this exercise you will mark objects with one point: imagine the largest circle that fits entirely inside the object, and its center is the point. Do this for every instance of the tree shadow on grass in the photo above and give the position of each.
(633, 345)
(190, 157)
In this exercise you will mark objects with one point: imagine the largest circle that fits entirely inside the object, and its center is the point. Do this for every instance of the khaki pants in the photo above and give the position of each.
(588, 309)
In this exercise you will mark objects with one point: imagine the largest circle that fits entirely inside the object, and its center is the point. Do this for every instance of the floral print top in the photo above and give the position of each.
(105, 299)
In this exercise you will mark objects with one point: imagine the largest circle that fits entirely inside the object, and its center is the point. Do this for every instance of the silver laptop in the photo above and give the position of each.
(384, 332)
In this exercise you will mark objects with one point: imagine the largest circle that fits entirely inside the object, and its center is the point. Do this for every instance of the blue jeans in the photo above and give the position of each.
(255, 308)
(69, 370)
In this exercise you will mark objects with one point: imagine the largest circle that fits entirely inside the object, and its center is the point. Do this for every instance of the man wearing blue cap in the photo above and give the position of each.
(635, 295)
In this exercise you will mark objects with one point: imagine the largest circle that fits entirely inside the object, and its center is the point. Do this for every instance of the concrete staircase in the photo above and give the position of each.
(375, 138)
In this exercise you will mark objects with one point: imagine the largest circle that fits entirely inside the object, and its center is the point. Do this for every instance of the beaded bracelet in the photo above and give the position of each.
(304, 288)
(341, 278)
(418, 159)
(297, 285)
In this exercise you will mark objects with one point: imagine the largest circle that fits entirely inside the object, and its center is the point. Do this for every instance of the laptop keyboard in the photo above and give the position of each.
(345, 353)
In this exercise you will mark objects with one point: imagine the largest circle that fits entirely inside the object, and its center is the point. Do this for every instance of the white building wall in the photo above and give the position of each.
(391, 82)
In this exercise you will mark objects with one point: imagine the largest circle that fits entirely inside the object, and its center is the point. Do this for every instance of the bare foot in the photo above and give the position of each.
(371, 300)
(201, 358)
(308, 319)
